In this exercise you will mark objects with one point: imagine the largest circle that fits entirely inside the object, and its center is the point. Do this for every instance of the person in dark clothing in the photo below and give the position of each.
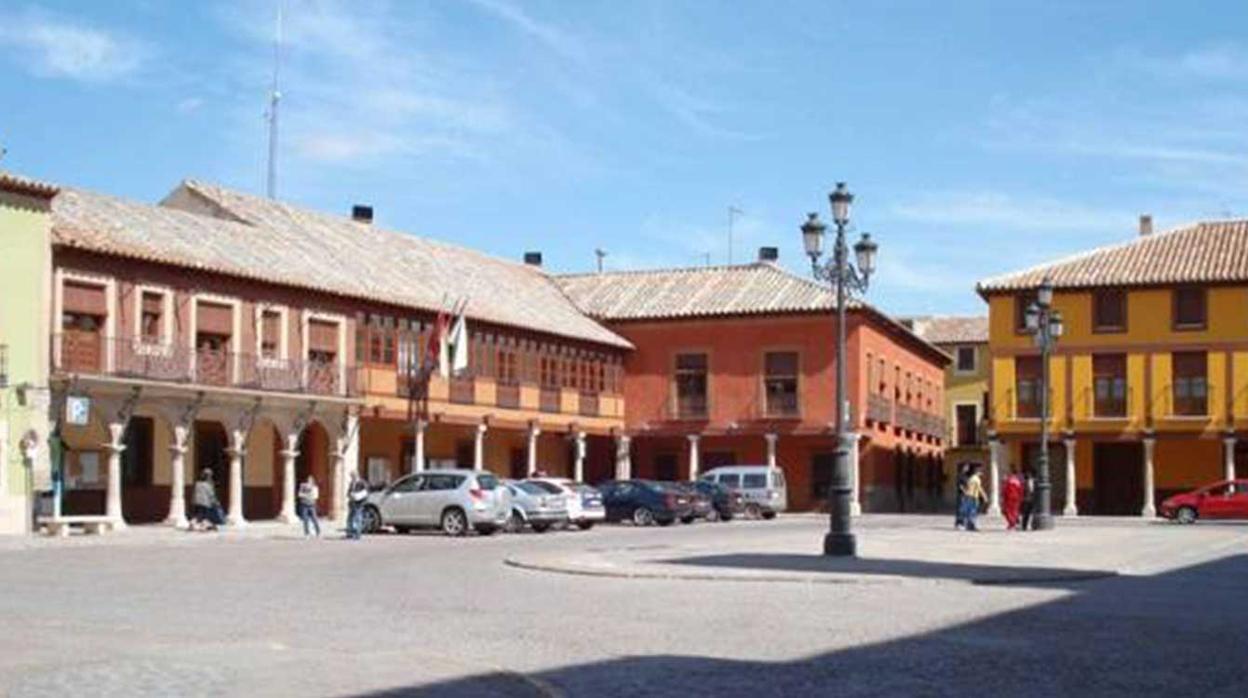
(1029, 500)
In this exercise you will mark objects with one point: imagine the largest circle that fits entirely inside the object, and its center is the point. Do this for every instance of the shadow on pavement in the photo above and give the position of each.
(792, 562)
(1180, 633)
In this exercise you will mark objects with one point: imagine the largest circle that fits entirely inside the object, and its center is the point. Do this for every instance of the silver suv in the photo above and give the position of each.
(456, 501)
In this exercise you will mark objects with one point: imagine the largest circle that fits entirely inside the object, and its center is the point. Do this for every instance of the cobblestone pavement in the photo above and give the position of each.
(268, 613)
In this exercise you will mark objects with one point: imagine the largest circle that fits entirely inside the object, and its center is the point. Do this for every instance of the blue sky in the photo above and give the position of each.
(979, 137)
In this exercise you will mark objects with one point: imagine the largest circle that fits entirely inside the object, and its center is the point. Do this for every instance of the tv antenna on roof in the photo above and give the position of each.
(275, 97)
(601, 254)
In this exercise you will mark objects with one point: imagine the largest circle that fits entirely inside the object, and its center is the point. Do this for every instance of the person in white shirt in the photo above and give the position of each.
(357, 493)
(309, 493)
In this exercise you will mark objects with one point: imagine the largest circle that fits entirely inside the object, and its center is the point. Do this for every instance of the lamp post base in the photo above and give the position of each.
(840, 545)
(1042, 522)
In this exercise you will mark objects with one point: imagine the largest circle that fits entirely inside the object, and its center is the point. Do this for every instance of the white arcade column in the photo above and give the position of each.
(994, 476)
(115, 446)
(1149, 510)
(177, 480)
(855, 477)
(418, 447)
(1071, 508)
(1228, 464)
(580, 457)
(694, 455)
(238, 449)
(289, 454)
(534, 433)
(623, 458)
(478, 448)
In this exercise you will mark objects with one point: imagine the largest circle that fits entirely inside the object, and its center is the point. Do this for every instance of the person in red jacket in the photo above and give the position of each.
(1012, 500)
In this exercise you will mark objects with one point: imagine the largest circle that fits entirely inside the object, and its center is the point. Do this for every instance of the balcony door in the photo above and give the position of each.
(214, 327)
(83, 315)
(968, 424)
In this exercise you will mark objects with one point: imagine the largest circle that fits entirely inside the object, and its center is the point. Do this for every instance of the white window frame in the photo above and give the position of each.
(341, 321)
(236, 325)
(283, 340)
(165, 345)
(110, 307)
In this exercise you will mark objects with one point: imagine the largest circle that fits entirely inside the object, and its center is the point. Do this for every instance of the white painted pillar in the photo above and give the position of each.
(994, 476)
(771, 448)
(1149, 509)
(1071, 508)
(694, 455)
(579, 470)
(177, 480)
(289, 454)
(418, 448)
(534, 433)
(623, 458)
(346, 455)
(238, 448)
(855, 476)
(4, 458)
(115, 446)
(1228, 462)
(478, 448)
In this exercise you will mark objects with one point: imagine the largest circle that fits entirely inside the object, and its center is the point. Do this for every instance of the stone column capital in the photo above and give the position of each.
(694, 438)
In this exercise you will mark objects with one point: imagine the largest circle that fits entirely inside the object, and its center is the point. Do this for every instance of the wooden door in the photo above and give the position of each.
(1118, 475)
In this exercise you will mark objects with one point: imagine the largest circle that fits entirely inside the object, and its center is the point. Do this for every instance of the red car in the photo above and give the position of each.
(1227, 499)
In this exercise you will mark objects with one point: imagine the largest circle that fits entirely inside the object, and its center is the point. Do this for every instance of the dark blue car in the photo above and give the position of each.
(644, 502)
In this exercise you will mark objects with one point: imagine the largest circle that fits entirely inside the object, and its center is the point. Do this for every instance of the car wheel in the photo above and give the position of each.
(584, 525)
(1185, 515)
(370, 520)
(643, 516)
(515, 524)
(687, 519)
(541, 527)
(769, 515)
(454, 522)
(752, 511)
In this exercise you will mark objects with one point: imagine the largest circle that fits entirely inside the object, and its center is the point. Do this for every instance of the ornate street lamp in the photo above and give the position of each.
(1044, 323)
(845, 279)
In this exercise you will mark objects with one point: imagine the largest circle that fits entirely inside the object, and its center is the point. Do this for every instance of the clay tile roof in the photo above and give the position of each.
(745, 289)
(1204, 252)
(950, 329)
(275, 242)
(24, 185)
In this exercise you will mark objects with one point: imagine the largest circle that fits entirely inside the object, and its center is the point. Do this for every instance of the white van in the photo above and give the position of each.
(762, 487)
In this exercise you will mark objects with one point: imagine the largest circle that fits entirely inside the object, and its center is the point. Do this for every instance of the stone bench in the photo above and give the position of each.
(60, 526)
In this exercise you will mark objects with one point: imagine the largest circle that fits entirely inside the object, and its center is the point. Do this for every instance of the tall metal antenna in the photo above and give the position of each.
(733, 212)
(275, 97)
(601, 254)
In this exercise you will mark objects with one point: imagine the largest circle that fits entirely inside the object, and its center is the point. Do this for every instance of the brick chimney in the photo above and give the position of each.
(1146, 225)
(533, 259)
(768, 254)
(361, 213)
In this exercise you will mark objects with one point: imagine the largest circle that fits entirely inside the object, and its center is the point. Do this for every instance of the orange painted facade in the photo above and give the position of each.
(897, 462)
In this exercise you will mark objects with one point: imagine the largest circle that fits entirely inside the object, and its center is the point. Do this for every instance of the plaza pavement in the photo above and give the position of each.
(263, 612)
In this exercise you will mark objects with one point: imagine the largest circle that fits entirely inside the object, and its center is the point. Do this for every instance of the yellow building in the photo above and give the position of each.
(965, 338)
(1149, 383)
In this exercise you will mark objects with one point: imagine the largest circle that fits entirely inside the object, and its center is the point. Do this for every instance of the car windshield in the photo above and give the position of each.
(545, 487)
(487, 482)
(532, 488)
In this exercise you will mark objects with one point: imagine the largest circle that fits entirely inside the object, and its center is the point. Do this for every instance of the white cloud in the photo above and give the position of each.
(189, 105)
(50, 46)
(548, 35)
(1223, 61)
(1008, 212)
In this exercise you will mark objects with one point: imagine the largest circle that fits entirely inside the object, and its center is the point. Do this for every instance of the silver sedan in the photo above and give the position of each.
(533, 506)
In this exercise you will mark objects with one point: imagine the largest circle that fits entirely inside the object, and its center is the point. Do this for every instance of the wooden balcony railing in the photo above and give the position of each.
(507, 395)
(782, 405)
(550, 401)
(463, 390)
(89, 354)
(689, 407)
(588, 404)
(879, 409)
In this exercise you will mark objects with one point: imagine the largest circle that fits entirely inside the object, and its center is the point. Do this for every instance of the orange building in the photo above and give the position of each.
(737, 365)
(1149, 383)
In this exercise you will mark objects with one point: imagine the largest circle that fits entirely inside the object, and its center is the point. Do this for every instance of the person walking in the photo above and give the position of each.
(1029, 500)
(964, 472)
(1013, 498)
(972, 495)
(357, 492)
(305, 506)
(206, 514)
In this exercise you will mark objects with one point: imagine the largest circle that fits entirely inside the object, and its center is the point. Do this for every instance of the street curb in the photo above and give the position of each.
(810, 578)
